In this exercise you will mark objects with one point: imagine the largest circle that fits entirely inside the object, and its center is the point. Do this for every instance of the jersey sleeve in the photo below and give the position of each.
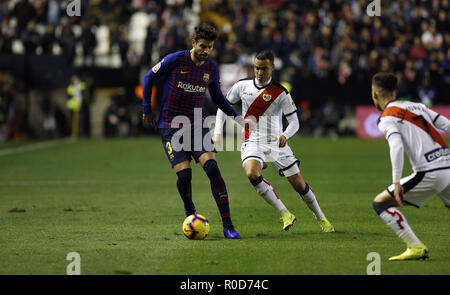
(234, 94)
(397, 156)
(388, 127)
(439, 120)
(157, 71)
(390, 130)
(287, 104)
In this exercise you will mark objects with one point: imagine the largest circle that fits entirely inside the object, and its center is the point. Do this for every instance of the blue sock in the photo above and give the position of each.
(185, 189)
(219, 191)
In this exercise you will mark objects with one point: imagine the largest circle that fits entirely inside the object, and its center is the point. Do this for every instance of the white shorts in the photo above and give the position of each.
(421, 186)
(282, 158)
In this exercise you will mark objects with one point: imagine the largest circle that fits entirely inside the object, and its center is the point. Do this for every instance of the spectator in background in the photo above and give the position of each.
(426, 92)
(67, 41)
(24, 13)
(48, 40)
(30, 38)
(432, 39)
(53, 12)
(417, 50)
(88, 43)
(150, 40)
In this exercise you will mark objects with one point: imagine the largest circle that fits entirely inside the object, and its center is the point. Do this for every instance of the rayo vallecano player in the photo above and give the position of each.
(266, 101)
(410, 127)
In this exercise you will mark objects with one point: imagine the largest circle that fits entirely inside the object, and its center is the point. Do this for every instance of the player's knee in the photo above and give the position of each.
(256, 180)
(184, 176)
(379, 207)
(252, 175)
(211, 168)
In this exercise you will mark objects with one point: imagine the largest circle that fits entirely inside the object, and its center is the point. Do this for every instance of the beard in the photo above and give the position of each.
(200, 57)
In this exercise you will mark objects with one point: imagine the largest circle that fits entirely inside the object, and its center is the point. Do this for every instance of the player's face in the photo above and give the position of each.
(201, 49)
(263, 69)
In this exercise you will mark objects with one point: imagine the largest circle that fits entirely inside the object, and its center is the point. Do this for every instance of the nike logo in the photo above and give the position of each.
(184, 72)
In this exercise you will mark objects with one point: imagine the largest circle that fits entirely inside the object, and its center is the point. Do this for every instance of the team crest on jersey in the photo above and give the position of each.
(267, 97)
(206, 77)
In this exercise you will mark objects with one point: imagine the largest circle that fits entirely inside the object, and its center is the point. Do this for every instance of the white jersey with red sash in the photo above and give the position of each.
(417, 125)
(266, 104)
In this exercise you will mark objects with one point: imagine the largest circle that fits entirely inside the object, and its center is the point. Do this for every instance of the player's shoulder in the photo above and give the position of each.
(280, 86)
(245, 81)
(174, 56)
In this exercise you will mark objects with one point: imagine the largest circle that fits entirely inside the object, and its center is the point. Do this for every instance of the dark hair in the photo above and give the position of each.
(266, 54)
(386, 81)
(205, 30)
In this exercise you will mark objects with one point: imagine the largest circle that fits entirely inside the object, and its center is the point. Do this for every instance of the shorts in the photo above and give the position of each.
(282, 158)
(183, 144)
(419, 187)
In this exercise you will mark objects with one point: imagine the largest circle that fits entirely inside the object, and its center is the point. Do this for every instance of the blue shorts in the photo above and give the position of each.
(184, 144)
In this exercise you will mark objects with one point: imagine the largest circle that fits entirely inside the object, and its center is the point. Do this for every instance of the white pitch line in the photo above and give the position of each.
(32, 147)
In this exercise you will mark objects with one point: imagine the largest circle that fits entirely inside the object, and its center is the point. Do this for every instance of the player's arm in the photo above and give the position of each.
(440, 121)
(150, 77)
(397, 157)
(396, 153)
(221, 117)
(290, 112)
(233, 96)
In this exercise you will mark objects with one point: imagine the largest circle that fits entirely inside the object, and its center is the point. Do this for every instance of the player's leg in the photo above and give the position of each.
(309, 197)
(288, 166)
(204, 154)
(184, 186)
(219, 192)
(416, 192)
(252, 156)
(253, 168)
(180, 162)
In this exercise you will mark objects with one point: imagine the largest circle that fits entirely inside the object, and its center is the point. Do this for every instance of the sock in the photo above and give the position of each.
(396, 221)
(310, 200)
(265, 190)
(219, 191)
(185, 189)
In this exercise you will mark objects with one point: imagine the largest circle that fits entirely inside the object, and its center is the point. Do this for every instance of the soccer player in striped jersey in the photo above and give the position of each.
(265, 101)
(410, 127)
(187, 75)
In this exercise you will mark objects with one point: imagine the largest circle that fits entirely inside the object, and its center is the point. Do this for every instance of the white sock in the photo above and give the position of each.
(265, 190)
(397, 222)
(310, 200)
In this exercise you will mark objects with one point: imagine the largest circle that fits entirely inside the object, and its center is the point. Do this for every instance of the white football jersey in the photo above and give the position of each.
(266, 104)
(417, 125)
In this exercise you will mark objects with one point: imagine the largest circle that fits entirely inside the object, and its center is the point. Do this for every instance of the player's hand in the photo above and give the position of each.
(217, 139)
(281, 140)
(398, 194)
(149, 119)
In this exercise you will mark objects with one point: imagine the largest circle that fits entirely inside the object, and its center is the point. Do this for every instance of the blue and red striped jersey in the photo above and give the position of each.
(185, 86)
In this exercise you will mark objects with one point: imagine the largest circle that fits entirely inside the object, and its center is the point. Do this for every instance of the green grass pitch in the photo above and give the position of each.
(115, 203)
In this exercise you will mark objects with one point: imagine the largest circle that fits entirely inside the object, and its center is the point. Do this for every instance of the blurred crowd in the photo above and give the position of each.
(327, 49)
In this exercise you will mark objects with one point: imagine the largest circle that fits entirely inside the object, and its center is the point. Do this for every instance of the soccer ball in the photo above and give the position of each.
(196, 227)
